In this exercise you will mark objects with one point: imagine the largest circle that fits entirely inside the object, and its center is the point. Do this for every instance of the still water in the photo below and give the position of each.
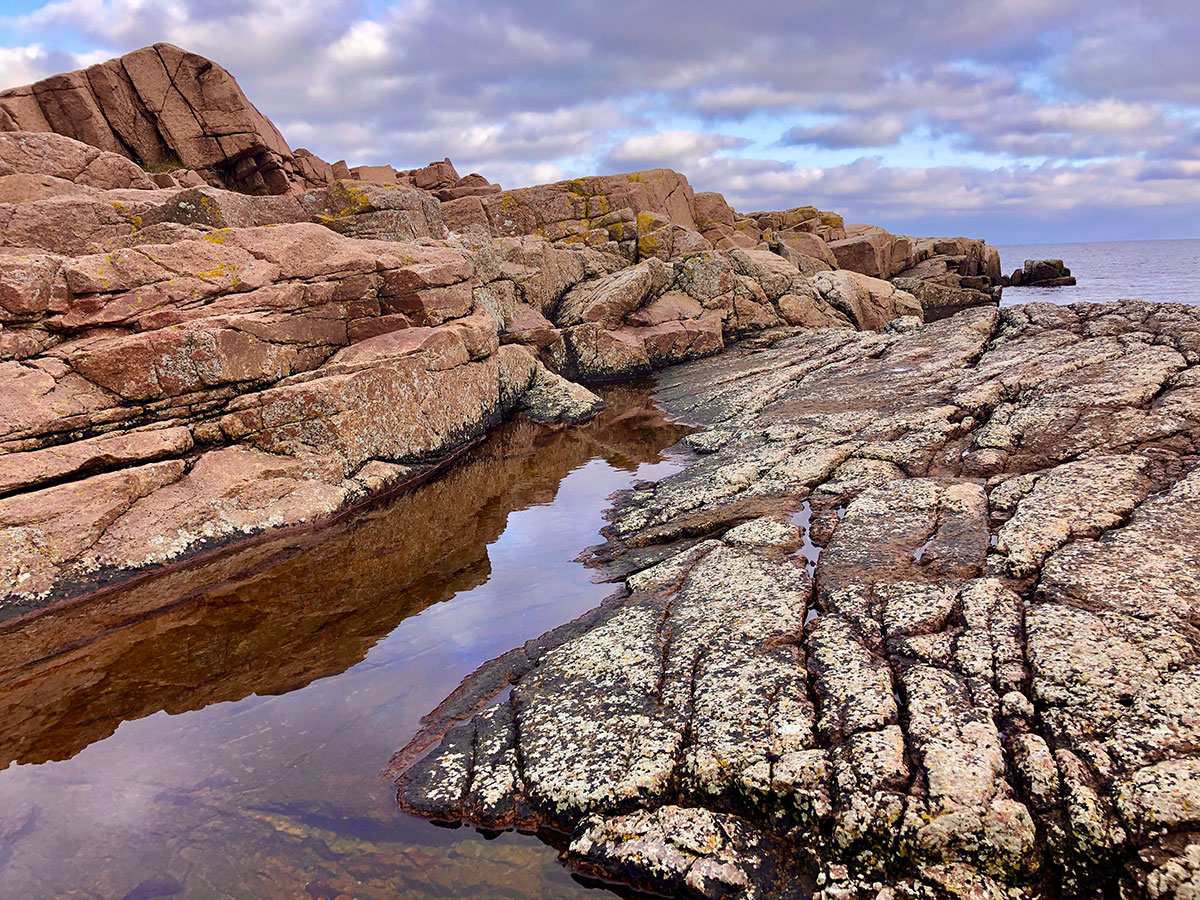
(1166, 271)
(220, 730)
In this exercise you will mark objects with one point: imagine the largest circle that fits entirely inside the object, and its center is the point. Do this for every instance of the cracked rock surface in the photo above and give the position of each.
(989, 684)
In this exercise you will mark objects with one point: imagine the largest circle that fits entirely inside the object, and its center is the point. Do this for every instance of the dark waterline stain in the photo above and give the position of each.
(221, 726)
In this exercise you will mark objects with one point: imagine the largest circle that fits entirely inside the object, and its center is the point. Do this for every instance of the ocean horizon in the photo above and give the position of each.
(1165, 270)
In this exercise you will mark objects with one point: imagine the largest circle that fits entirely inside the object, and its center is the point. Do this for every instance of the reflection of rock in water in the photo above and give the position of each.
(273, 616)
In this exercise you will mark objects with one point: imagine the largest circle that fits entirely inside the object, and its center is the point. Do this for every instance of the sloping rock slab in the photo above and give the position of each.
(919, 622)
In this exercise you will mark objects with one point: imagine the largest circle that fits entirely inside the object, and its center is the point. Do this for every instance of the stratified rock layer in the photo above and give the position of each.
(920, 622)
(182, 367)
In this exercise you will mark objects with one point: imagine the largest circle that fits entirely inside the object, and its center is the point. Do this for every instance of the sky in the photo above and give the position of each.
(1013, 120)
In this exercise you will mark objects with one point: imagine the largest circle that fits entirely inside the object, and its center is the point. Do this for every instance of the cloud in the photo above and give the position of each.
(847, 132)
(23, 64)
(1017, 110)
(1143, 51)
(20, 65)
(681, 150)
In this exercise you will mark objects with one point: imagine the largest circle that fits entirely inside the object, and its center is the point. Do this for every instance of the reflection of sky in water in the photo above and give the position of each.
(192, 796)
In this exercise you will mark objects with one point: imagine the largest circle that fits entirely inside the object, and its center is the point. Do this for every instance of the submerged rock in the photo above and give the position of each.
(986, 686)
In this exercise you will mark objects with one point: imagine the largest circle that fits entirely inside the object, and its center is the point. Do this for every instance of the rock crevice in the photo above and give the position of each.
(995, 695)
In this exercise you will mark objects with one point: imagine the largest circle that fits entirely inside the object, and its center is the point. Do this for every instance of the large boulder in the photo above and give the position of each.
(798, 246)
(1043, 273)
(879, 254)
(711, 209)
(870, 303)
(160, 106)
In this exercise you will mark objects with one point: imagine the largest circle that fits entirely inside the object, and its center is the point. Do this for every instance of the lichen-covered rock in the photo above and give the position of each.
(985, 688)
(382, 212)
(573, 208)
(685, 852)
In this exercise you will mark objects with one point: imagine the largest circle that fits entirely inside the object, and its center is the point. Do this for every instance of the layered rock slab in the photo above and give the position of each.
(985, 687)
(280, 368)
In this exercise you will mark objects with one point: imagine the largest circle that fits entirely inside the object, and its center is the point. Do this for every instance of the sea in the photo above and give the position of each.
(1166, 271)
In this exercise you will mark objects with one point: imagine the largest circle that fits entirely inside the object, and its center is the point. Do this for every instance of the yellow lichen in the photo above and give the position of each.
(221, 269)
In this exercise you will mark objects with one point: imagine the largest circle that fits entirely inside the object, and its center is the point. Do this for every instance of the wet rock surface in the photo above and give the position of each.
(984, 687)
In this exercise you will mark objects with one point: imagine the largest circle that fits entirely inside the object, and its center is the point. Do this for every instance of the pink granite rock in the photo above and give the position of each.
(28, 153)
(160, 105)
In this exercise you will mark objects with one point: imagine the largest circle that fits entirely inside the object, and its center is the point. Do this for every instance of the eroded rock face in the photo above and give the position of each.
(184, 366)
(160, 106)
(920, 622)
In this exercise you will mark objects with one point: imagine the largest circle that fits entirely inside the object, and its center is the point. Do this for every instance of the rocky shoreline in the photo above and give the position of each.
(183, 365)
(984, 687)
(920, 621)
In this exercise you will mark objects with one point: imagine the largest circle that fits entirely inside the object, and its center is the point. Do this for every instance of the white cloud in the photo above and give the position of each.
(848, 132)
(529, 91)
(21, 65)
(365, 44)
(1110, 116)
(672, 149)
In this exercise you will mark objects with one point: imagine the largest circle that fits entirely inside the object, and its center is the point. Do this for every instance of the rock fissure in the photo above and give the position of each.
(953, 719)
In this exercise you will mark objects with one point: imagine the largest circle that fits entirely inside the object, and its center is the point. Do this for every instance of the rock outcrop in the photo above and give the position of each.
(184, 363)
(1042, 273)
(946, 274)
(184, 366)
(919, 622)
(185, 120)
(164, 108)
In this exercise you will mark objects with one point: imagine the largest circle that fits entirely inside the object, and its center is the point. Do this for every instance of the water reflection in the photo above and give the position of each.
(218, 730)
